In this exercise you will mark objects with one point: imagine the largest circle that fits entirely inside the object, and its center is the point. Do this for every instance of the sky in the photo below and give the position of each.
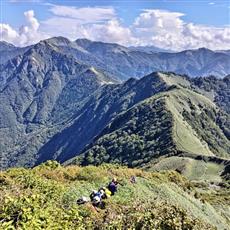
(168, 24)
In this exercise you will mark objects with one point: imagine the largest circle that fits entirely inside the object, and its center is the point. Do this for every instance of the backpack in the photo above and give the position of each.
(107, 193)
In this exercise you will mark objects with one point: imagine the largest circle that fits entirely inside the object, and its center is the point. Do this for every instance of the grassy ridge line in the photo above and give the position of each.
(191, 111)
(184, 135)
(45, 197)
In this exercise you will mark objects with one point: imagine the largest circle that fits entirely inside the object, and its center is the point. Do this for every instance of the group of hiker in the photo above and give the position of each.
(97, 197)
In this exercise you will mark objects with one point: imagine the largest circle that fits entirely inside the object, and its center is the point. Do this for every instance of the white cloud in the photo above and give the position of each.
(32, 21)
(158, 20)
(112, 31)
(84, 14)
(26, 35)
(160, 28)
(8, 33)
(167, 30)
(94, 23)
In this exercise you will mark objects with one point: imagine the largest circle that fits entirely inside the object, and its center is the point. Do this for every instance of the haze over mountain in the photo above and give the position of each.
(60, 99)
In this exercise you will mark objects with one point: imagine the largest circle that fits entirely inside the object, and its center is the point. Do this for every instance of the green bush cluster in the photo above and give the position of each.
(160, 216)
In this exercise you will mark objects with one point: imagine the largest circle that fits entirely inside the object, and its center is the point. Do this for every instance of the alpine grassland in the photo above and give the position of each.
(44, 197)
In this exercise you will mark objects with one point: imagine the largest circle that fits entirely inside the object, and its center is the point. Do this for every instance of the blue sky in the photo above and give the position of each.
(168, 24)
(215, 13)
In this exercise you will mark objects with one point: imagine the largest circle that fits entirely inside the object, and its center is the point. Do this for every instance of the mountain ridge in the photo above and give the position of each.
(181, 133)
(123, 62)
(73, 125)
(54, 104)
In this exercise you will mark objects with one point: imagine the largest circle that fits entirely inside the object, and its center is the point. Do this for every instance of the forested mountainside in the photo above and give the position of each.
(131, 123)
(60, 99)
(173, 120)
(218, 90)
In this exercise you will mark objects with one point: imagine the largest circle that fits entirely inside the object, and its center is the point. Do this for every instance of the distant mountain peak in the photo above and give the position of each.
(86, 43)
(204, 49)
(150, 49)
(5, 46)
(60, 41)
(6, 43)
(81, 40)
(201, 49)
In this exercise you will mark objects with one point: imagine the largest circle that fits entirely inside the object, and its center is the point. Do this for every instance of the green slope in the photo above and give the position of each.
(45, 198)
(130, 123)
(194, 169)
(216, 89)
(196, 127)
(185, 135)
(168, 123)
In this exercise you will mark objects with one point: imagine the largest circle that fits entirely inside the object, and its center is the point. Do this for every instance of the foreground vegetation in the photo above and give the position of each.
(45, 198)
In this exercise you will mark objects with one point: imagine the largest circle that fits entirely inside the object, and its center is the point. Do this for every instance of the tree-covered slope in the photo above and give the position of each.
(168, 123)
(134, 137)
(9, 51)
(99, 109)
(125, 62)
(218, 90)
(133, 63)
(45, 198)
(71, 111)
(38, 89)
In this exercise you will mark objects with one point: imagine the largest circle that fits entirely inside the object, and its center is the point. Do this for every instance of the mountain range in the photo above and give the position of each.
(90, 102)
(124, 62)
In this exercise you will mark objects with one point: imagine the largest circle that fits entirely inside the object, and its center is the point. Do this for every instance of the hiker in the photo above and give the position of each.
(97, 200)
(112, 187)
(133, 180)
(96, 197)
